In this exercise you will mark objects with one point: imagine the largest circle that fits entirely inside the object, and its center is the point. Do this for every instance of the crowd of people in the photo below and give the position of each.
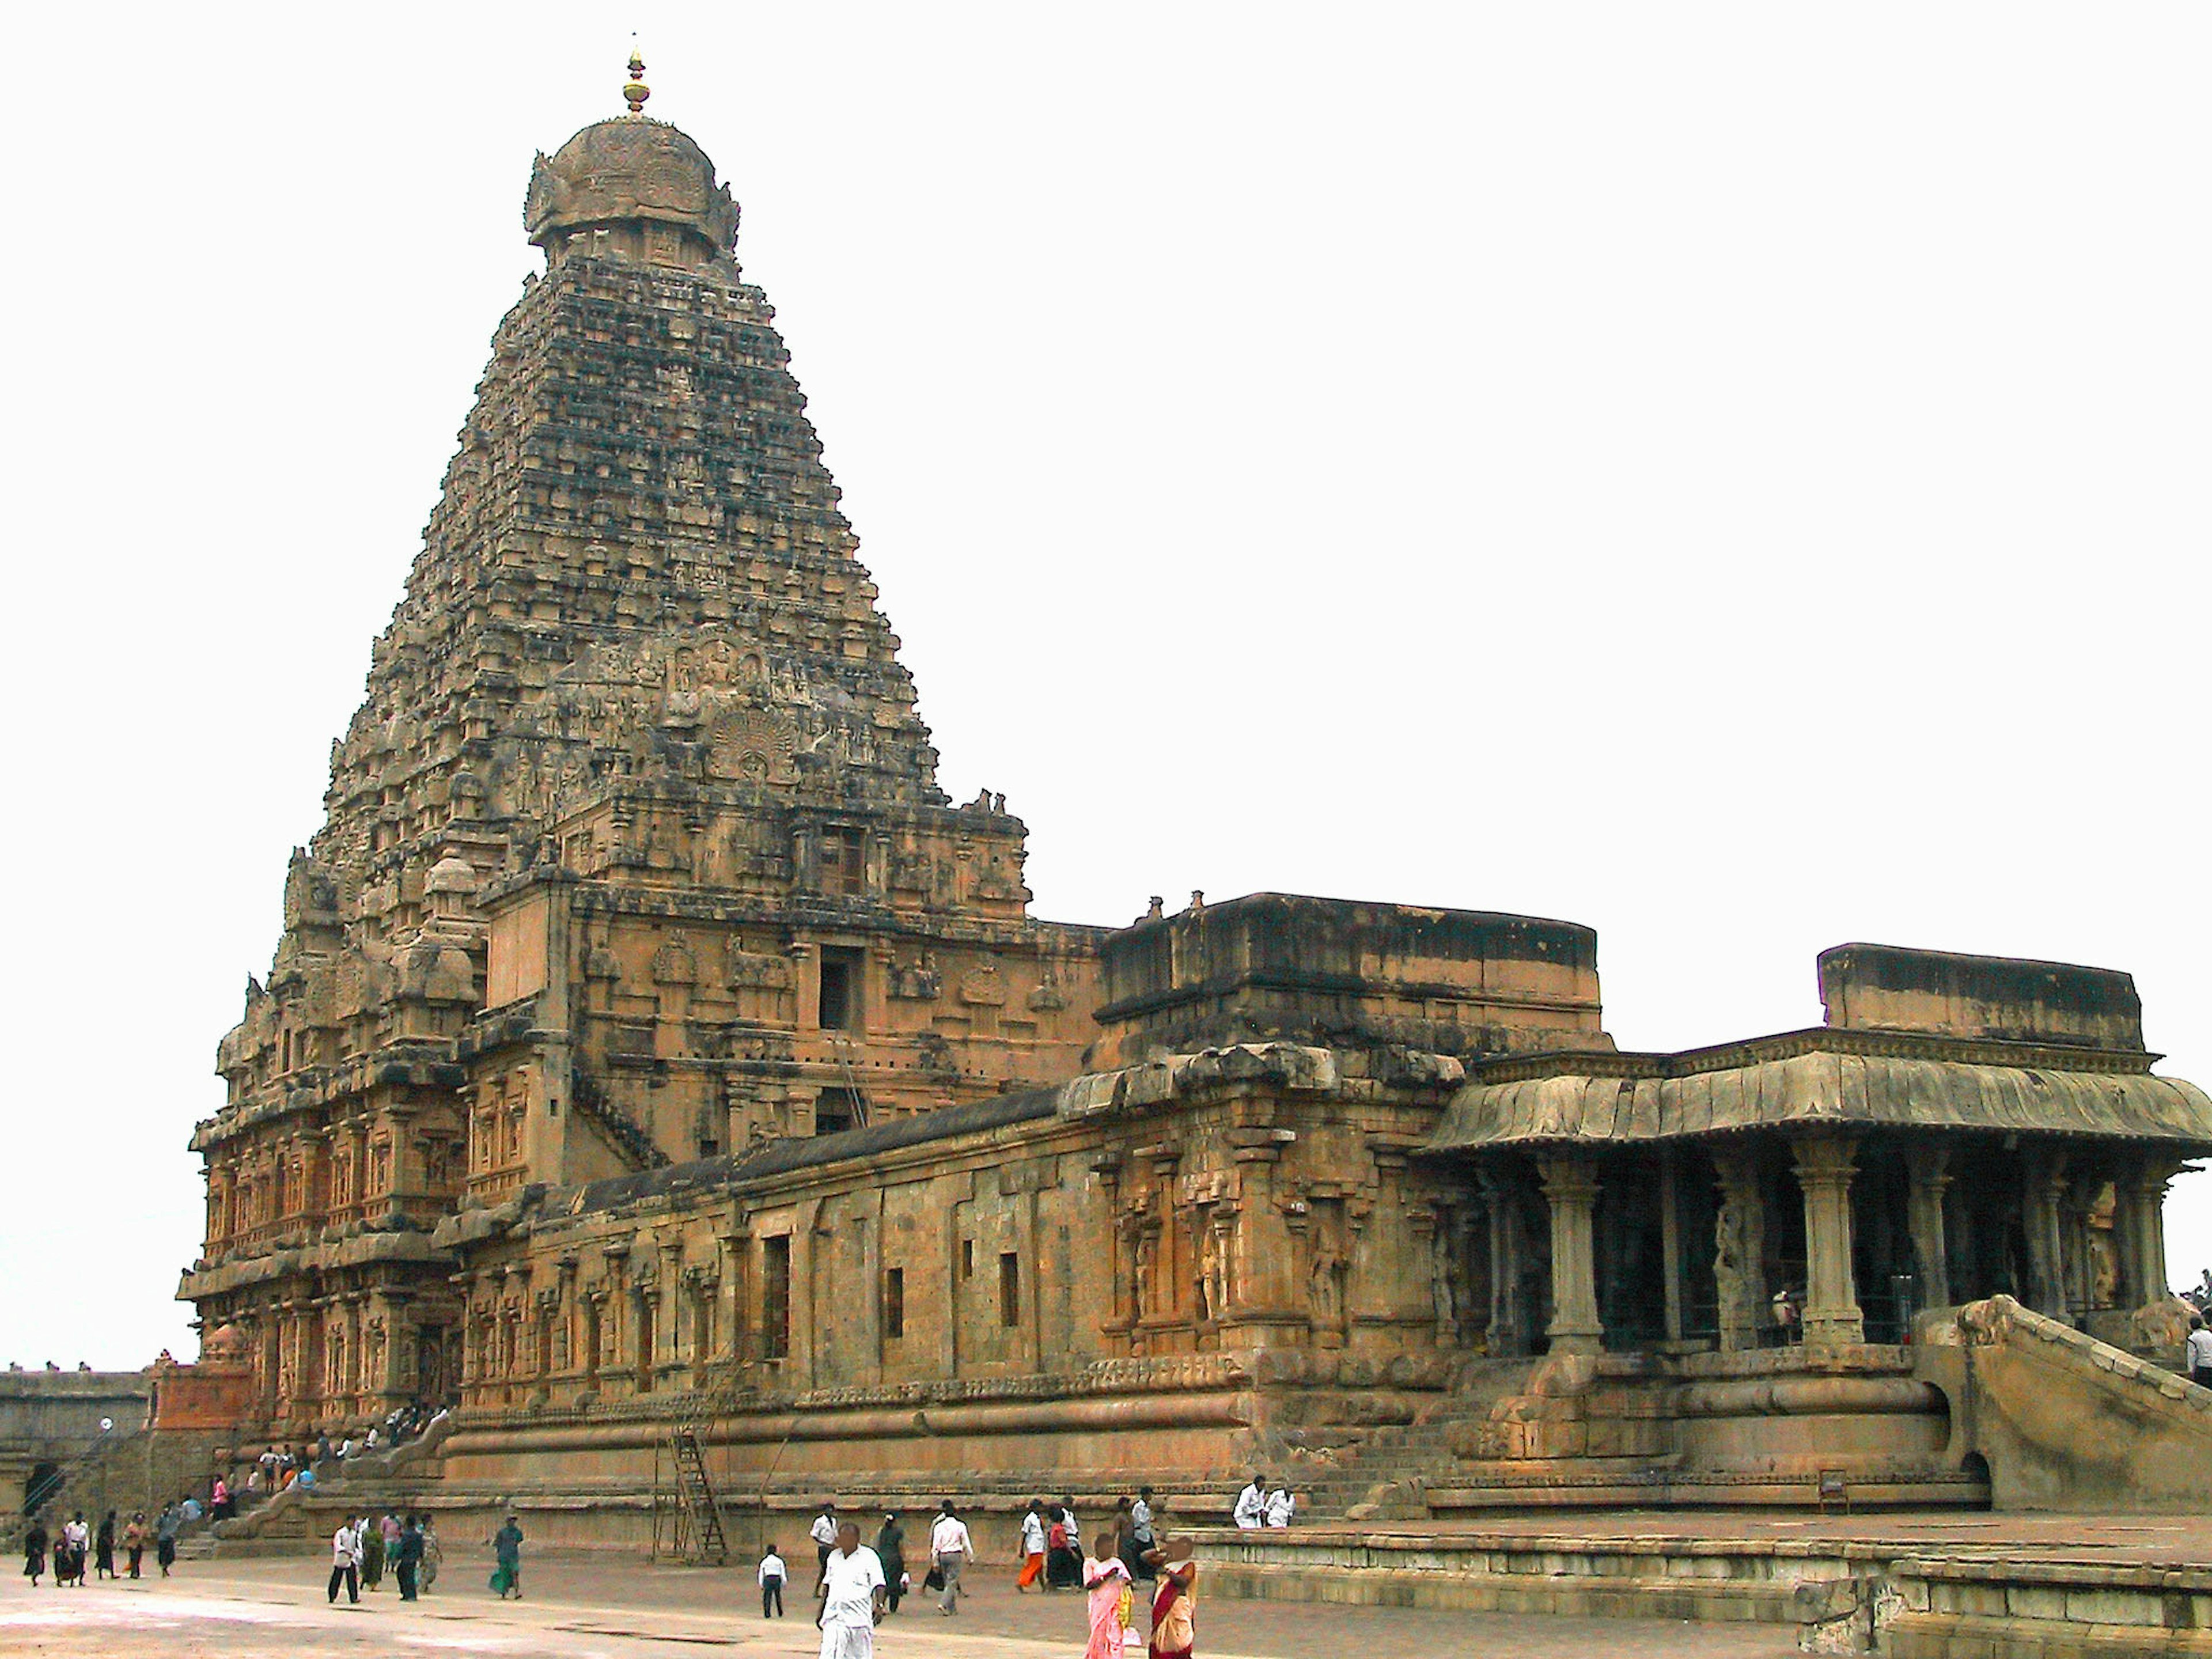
(857, 1585)
(71, 1545)
(306, 1465)
(365, 1548)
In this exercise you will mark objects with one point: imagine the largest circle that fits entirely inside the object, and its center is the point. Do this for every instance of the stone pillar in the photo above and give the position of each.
(730, 1247)
(1508, 1333)
(2043, 1184)
(1928, 1167)
(2143, 1192)
(1824, 1169)
(1570, 1190)
(1739, 1251)
(1670, 1242)
(668, 1318)
(1266, 1257)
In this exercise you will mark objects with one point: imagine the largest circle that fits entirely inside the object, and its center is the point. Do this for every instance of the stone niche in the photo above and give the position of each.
(1887, 988)
(1278, 967)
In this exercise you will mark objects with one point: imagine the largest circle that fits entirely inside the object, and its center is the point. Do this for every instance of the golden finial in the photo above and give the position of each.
(635, 91)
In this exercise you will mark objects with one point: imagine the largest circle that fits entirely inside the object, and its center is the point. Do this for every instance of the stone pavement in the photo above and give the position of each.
(595, 1608)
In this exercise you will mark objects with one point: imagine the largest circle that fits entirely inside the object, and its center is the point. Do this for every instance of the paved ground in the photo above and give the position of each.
(588, 1608)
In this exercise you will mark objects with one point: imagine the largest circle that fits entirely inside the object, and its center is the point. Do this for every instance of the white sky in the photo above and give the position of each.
(1732, 475)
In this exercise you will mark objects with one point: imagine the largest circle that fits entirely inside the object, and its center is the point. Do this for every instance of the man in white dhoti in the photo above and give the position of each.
(1251, 1509)
(852, 1598)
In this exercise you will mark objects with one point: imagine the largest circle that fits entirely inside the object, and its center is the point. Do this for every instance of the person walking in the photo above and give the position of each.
(1032, 1546)
(890, 1553)
(80, 1545)
(1140, 1530)
(171, 1522)
(372, 1554)
(823, 1532)
(772, 1573)
(346, 1563)
(1175, 1607)
(433, 1553)
(1106, 1578)
(408, 1558)
(219, 1499)
(134, 1540)
(949, 1547)
(34, 1551)
(2198, 1352)
(103, 1547)
(852, 1596)
(506, 1550)
(1122, 1524)
(1063, 1567)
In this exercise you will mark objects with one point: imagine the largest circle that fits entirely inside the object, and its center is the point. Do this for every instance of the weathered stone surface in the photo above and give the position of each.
(651, 1041)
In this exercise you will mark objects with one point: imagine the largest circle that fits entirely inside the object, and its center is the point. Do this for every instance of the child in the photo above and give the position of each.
(772, 1575)
(1175, 1608)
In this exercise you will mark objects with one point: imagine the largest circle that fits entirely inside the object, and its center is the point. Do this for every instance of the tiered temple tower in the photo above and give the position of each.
(634, 851)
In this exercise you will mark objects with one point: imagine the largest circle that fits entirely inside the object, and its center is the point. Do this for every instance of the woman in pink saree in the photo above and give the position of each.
(1106, 1577)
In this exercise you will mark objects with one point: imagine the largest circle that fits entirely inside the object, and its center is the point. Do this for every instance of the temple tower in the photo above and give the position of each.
(633, 851)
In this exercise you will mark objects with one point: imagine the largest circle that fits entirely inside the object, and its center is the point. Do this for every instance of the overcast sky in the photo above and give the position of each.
(1731, 474)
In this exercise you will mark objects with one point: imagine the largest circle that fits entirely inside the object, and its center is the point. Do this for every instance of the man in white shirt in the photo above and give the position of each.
(823, 1532)
(1032, 1545)
(1280, 1505)
(346, 1563)
(852, 1598)
(772, 1574)
(1251, 1509)
(949, 1550)
(2199, 1350)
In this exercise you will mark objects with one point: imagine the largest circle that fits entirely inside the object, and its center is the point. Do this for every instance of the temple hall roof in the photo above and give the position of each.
(1823, 1078)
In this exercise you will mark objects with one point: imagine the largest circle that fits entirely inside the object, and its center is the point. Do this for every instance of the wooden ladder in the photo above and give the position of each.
(702, 1540)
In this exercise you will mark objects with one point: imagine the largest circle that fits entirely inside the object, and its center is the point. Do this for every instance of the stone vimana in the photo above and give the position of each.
(657, 1068)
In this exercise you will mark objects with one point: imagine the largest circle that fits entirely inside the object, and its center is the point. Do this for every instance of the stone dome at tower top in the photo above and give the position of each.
(628, 175)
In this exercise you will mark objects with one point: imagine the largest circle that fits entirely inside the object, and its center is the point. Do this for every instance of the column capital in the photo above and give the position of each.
(1825, 1159)
(1568, 1179)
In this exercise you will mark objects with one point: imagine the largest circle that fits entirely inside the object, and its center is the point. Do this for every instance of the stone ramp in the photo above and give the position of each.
(2062, 1420)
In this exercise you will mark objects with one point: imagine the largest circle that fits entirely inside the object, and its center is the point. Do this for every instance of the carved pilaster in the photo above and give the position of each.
(1571, 1189)
(1825, 1167)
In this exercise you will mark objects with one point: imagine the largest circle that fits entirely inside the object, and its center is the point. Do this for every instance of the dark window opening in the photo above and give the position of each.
(839, 1008)
(844, 868)
(775, 1297)
(838, 1108)
(967, 1258)
(708, 1146)
(1010, 1288)
(894, 1302)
